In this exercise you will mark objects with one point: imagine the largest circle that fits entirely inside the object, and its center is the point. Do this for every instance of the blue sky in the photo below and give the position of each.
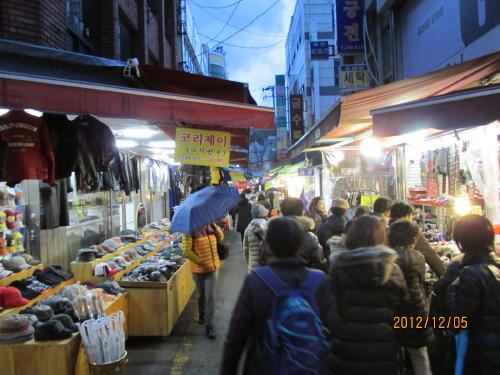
(257, 67)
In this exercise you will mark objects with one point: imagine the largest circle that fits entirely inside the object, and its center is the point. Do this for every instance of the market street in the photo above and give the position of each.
(187, 350)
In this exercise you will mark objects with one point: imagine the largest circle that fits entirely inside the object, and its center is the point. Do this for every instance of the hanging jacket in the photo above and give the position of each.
(254, 235)
(471, 288)
(370, 290)
(29, 154)
(412, 263)
(201, 249)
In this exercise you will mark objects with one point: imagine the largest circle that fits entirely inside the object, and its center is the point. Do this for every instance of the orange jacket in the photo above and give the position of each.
(201, 250)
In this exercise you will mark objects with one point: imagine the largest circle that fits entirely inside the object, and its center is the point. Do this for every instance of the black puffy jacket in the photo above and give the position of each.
(333, 226)
(471, 288)
(370, 290)
(412, 263)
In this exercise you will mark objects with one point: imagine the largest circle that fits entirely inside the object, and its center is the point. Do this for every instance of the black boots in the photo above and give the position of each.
(210, 331)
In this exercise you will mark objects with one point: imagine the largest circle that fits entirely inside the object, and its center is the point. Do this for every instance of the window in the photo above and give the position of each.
(83, 24)
(126, 41)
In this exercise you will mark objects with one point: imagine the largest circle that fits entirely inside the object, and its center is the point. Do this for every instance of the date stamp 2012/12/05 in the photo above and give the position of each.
(435, 322)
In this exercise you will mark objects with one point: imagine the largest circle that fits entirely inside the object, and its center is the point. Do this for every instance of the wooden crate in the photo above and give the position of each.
(40, 358)
(155, 307)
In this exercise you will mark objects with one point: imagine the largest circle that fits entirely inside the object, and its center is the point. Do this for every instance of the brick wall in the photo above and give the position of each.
(153, 36)
(54, 20)
(110, 29)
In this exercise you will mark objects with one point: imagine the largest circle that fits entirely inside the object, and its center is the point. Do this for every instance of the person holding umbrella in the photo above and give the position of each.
(195, 217)
(200, 248)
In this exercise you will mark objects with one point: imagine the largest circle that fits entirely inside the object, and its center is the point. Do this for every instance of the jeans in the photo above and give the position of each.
(205, 285)
(420, 360)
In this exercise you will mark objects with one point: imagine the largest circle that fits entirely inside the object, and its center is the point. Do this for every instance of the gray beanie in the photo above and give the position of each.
(259, 211)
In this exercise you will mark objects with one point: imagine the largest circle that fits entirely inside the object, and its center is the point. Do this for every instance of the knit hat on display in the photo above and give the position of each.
(259, 211)
(51, 330)
(111, 287)
(29, 259)
(16, 264)
(15, 328)
(86, 255)
(66, 320)
(42, 312)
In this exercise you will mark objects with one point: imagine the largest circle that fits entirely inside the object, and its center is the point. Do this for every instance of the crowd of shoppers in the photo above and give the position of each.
(375, 274)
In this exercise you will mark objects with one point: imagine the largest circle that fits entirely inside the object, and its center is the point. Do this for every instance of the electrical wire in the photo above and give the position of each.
(237, 27)
(239, 46)
(244, 27)
(211, 7)
(229, 19)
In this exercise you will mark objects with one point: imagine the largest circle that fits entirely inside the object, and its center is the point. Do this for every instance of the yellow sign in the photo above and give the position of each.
(202, 147)
(354, 77)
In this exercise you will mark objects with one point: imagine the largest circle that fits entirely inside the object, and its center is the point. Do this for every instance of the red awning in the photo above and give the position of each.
(73, 97)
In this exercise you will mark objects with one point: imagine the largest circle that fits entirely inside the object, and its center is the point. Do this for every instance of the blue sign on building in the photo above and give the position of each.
(320, 50)
(306, 172)
(350, 14)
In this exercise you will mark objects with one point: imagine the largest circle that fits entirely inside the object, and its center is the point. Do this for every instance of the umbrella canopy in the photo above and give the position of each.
(204, 207)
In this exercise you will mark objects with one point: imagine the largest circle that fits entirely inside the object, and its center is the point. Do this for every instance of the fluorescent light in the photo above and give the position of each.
(3, 111)
(138, 133)
(162, 144)
(33, 112)
(126, 143)
(156, 150)
(371, 147)
(415, 137)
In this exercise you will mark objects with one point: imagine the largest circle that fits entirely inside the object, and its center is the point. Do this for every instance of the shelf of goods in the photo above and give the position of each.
(155, 307)
(47, 357)
(84, 271)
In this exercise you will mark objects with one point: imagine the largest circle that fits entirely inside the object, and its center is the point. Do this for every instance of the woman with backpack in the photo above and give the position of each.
(262, 312)
(370, 290)
(469, 292)
(254, 236)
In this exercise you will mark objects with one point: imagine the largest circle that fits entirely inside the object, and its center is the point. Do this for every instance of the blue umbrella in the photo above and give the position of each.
(204, 207)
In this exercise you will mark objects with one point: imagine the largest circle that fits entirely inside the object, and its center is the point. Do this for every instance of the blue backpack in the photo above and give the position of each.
(296, 341)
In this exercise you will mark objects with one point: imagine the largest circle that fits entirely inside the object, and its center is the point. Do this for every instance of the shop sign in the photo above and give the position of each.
(297, 117)
(280, 119)
(354, 77)
(350, 29)
(320, 50)
(307, 172)
(202, 147)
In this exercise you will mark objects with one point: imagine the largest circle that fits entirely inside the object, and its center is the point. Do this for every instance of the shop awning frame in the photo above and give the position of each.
(462, 109)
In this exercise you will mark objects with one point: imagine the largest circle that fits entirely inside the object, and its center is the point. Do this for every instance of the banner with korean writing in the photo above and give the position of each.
(350, 14)
(354, 77)
(297, 117)
(280, 117)
(202, 147)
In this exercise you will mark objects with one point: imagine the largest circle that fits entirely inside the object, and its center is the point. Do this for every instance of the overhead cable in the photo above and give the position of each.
(212, 7)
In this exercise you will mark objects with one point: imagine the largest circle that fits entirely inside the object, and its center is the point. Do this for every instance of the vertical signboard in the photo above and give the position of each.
(296, 117)
(280, 117)
(350, 29)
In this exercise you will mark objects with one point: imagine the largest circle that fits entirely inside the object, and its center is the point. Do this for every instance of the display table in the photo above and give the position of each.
(50, 357)
(155, 307)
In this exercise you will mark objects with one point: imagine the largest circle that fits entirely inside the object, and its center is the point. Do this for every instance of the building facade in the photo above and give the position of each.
(150, 30)
(415, 37)
(216, 62)
(316, 81)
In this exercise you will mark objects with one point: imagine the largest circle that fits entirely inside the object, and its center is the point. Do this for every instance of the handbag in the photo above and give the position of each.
(222, 250)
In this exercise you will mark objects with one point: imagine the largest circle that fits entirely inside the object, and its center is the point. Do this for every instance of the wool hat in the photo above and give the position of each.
(86, 255)
(60, 305)
(16, 264)
(11, 297)
(340, 203)
(3, 272)
(29, 259)
(51, 330)
(47, 278)
(111, 287)
(104, 269)
(15, 328)
(58, 271)
(259, 211)
(66, 320)
(42, 312)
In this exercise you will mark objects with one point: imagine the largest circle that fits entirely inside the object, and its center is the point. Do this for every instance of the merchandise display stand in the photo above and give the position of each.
(155, 307)
(84, 271)
(50, 357)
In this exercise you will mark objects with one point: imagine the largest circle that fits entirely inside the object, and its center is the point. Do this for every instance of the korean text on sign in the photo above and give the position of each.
(202, 147)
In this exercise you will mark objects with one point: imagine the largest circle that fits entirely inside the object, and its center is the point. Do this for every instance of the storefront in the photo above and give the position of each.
(98, 204)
